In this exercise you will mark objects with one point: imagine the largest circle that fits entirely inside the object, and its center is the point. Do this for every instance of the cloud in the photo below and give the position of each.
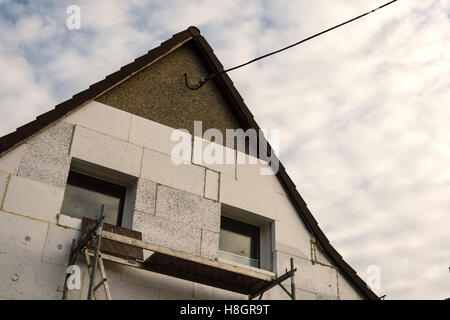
(363, 111)
(20, 94)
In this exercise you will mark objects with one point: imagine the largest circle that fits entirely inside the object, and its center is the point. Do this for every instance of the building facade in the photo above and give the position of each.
(114, 144)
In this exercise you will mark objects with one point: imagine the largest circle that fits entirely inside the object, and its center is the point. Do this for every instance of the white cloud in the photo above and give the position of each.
(21, 96)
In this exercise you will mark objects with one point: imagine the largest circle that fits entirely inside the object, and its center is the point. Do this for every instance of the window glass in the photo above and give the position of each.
(239, 242)
(84, 196)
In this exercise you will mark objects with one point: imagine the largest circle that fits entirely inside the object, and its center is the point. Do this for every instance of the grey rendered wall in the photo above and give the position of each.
(159, 93)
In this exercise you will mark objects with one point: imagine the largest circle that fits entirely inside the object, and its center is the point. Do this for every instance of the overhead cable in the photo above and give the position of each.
(205, 79)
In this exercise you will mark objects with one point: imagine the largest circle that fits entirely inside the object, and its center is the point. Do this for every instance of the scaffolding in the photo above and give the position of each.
(251, 282)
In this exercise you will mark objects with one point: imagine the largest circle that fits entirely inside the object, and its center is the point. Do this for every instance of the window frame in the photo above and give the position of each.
(93, 184)
(246, 229)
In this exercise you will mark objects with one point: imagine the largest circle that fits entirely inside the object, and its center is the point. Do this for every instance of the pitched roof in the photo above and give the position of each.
(233, 99)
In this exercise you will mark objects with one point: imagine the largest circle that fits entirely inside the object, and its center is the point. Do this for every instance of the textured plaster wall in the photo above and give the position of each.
(180, 220)
(159, 93)
(46, 157)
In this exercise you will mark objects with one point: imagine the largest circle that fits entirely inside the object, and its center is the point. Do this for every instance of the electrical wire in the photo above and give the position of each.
(203, 80)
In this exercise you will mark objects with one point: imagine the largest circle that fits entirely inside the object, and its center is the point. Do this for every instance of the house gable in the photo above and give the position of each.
(158, 93)
(218, 105)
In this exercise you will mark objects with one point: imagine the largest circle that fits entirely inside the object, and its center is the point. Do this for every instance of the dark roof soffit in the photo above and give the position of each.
(234, 100)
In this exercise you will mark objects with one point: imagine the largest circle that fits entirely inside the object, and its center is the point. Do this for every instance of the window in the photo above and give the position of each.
(239, 242)
(84, 196)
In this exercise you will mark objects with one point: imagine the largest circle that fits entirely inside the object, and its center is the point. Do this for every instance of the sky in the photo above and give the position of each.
(363, 112)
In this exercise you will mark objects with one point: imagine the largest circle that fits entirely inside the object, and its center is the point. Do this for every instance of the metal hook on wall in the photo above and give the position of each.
(200, 83)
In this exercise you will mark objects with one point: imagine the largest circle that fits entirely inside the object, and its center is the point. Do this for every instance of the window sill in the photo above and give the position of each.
(66, 221)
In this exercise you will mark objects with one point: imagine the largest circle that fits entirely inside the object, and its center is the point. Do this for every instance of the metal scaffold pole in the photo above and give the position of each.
(98, 238)
(292, 280)
(278, 281)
